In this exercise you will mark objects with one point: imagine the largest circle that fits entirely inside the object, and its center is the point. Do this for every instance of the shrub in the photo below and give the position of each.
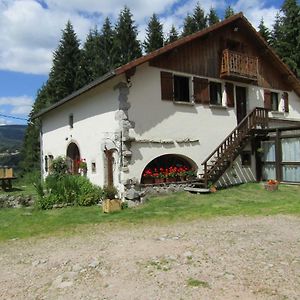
(67, 189)
(110, 192)
(59, 166)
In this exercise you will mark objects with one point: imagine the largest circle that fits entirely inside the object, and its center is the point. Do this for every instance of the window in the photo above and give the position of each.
(274, 101)
(46, 163)
(215, 93)
(181, 88)
(93, 167)
(71, 120)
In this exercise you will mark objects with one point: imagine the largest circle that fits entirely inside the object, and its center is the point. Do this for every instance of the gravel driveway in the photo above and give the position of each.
(219, 258)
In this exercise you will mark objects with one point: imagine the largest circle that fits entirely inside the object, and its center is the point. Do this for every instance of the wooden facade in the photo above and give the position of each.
(203, 57)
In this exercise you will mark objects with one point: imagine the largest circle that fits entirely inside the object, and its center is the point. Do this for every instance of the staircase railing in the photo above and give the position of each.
(258, 117)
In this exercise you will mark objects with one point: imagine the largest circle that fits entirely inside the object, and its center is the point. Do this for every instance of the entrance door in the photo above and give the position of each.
(73, 156)
(241, 103)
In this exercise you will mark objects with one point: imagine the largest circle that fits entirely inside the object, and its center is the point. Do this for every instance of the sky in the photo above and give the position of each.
(30, 31)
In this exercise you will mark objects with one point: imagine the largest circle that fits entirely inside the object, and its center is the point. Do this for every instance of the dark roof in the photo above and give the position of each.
(295, 83)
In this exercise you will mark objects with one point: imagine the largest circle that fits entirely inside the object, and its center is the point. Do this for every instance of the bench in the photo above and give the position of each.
(6, 177)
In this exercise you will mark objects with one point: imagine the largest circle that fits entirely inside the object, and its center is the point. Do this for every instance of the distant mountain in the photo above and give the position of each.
(11, 137)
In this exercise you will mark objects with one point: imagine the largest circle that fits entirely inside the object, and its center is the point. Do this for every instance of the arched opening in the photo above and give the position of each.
(73, 157)
(169, 168)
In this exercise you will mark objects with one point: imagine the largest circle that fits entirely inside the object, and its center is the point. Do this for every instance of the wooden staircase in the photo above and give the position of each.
(220, 159)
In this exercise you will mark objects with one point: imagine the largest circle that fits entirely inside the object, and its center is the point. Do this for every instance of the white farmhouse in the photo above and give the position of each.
(219, 102)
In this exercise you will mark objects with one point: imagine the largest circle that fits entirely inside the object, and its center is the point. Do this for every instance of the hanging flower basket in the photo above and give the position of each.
(271, 185)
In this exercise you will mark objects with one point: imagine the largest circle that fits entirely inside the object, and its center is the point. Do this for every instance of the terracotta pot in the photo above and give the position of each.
(171, 179)
(110, 205)
(159, 180)
(271, 187)
(148, 180)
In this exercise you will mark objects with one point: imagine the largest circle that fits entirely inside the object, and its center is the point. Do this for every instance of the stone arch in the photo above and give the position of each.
(169, 160)
(73, 156)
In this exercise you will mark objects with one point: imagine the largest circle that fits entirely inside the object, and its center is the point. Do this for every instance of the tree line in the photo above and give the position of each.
(112, 46)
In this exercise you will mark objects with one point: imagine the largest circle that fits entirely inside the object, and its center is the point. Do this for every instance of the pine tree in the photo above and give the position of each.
(173, 35)
(154, 35)
(286, 35)
(199, 18)
(264, 31)
(189, 25)
(212, 17)
(30, 153)
(126, 43)
(62, 77)
(107, 47)
(91, 64)
(228, 12)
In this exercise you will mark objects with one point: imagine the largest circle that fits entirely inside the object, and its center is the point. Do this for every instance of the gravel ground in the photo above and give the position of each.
(220, 258)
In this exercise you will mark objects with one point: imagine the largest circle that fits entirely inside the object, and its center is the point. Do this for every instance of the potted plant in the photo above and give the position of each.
(190, 174)
(148, 176)
(271, 185)
(111, 203)
(171, 174)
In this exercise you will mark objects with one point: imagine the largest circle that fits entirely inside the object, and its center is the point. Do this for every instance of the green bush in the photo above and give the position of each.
(59, 166)
(110, 192)
(67, 189)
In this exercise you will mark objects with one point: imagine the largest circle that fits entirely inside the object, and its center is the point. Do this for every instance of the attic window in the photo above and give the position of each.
(274, 101)
(71, 120)
(181, 88)
(215, 93)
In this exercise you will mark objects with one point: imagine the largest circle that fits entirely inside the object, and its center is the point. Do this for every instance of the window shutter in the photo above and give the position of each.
(286, 101)
(166, 80)
(267, 99)
(230, 94)
(201, 94)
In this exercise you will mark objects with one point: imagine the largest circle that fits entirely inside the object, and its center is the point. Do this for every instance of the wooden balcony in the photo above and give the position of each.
(238, 66)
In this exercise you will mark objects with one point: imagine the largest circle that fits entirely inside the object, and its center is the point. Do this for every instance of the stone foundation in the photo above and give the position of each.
(9, 201)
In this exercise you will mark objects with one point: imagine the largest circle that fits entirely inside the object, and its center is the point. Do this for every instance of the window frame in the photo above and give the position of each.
(71, 121)
(272, 101)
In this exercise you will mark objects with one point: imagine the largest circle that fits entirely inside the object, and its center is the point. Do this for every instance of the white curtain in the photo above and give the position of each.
(269, 151)
(291, 150)
(269, 172)
(291, 173)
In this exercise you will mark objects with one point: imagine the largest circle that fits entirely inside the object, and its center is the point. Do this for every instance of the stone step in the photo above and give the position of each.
(197, 190)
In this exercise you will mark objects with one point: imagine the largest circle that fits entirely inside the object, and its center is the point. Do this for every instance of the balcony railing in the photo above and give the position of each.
(235, 64)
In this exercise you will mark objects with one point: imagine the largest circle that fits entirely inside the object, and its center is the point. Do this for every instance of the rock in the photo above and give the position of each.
(94, 264)
(132, 194)
(36, 263)
(131, 203)
(188, 254)
(77, 268)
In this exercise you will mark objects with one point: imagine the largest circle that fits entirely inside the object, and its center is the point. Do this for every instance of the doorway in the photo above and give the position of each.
(241, 103)
(73, 157)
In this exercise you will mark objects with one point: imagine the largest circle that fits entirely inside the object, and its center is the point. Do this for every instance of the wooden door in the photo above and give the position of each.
(241, 103)
(109, 161)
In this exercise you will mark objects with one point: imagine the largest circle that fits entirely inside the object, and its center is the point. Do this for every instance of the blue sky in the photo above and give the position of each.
(30, 31)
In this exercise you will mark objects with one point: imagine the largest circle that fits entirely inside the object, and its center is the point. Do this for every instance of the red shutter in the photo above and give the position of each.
(267, 99)
(286, 101)
(201, 94)
(230, 94)
(166, 80)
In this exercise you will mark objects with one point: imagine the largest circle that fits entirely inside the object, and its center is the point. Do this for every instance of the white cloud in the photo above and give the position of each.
(255, 10)
(20, 106)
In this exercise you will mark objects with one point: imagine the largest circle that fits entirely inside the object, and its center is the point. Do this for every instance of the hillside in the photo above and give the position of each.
(11, 137)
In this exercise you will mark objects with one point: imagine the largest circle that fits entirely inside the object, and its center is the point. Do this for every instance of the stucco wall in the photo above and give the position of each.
(94, 121)
(161, 126)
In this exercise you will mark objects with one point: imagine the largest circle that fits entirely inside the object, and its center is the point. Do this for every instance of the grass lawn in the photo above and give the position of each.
(247, 199)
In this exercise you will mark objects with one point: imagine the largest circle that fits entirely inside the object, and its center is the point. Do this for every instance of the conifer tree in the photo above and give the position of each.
(189, 25)
(286, 35)
(154, 35)
(30, 153)
(107, 47)
(126, 43)
(199, 18)
(264, 31)
(228, 12)
(212, 17)
(66, 60)
(91, 64)
(173, 35)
